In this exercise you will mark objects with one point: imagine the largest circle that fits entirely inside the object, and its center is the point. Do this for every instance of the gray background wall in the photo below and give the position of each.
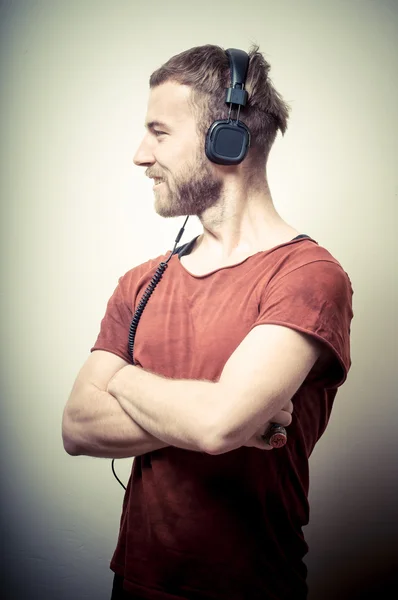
(76, 214)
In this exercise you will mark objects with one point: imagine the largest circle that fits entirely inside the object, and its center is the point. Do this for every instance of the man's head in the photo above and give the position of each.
(172, 152)
(187, 94)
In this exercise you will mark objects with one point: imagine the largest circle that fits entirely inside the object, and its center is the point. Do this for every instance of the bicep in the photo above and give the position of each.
(263, 374)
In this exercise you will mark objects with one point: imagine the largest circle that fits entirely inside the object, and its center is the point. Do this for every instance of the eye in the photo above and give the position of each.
(158, 133)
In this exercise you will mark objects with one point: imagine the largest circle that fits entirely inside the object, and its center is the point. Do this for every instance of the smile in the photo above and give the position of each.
(158, 182)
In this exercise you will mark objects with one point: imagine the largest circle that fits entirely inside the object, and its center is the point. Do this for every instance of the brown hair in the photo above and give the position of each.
(206, 70)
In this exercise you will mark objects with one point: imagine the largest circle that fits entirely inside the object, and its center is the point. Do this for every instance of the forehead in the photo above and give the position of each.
(169, 103)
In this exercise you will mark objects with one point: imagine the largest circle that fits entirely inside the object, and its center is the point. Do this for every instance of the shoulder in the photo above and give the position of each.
(142, 272)
(310, 291)
(306, 250)
(309, 283)
(308, 261)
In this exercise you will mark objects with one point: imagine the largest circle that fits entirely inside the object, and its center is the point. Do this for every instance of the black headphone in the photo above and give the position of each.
(228, 141)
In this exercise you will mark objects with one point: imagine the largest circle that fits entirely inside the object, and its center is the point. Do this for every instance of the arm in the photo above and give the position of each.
(179, 412)
(258, 380)
(94, 423)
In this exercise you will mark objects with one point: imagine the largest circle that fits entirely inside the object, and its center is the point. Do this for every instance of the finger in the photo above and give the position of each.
(283, 417)
(261, 444)
(288, 406)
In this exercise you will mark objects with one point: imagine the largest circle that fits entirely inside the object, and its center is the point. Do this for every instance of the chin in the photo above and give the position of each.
(167, 210)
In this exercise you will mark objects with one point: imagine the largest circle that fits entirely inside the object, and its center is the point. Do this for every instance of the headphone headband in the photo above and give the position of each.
(239, 64)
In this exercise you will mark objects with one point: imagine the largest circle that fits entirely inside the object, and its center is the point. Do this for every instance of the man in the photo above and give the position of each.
(250, 319)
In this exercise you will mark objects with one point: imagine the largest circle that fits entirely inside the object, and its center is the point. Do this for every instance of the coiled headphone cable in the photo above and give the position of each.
(140, 308)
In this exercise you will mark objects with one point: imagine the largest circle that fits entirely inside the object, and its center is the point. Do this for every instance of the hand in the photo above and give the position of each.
(283, 417)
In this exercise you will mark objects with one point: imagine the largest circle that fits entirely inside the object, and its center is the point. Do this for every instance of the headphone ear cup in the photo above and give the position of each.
(227, 142)
(208, 148)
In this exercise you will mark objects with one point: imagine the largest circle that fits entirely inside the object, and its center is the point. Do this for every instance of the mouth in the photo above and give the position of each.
(157, 181)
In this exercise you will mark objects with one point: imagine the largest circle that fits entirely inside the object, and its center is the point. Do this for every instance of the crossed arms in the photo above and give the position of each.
(130, 411)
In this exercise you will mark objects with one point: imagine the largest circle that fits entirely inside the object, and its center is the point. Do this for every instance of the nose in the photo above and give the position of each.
(144, 155)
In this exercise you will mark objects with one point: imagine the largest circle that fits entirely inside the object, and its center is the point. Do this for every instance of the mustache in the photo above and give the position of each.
(153, 175)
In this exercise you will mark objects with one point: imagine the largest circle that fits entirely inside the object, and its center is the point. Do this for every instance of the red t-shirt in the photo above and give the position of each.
(197, 526)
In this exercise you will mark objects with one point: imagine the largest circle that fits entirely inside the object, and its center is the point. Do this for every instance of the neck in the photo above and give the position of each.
(244, 221)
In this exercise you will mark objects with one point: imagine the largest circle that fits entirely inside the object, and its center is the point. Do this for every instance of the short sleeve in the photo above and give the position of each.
(115, 326)
(315, 298)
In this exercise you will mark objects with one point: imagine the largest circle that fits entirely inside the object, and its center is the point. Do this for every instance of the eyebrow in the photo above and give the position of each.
(152, 124)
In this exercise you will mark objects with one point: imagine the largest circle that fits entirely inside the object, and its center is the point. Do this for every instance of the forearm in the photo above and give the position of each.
(104, 430)
(182, 413)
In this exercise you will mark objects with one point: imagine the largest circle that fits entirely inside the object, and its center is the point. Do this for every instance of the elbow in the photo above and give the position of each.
(221, 446)
(69, 447)
(71, 450)
(222, 435)
(67, 438)
(221, 442)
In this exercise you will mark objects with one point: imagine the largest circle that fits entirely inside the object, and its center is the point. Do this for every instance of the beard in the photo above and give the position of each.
(191, 191)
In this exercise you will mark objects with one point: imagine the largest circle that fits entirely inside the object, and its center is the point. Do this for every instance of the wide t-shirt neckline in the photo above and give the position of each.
(186, 249)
